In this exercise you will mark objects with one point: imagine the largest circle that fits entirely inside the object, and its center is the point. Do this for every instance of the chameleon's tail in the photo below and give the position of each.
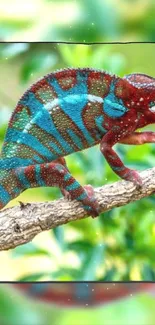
(9, 187)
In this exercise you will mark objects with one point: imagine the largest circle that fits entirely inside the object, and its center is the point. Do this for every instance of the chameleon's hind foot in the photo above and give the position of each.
(91, 206)
(90, 190)
(92, 209)
(133, 176)
(66, 194)
(89, 202)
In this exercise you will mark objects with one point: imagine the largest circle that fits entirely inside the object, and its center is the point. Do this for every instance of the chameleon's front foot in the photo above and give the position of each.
(132, 176)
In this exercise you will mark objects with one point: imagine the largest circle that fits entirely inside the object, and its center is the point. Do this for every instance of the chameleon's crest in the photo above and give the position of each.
(140, 80)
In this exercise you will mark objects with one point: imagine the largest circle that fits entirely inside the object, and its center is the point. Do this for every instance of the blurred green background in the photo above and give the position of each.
(120, 244)
(77, 20)
(136, 309)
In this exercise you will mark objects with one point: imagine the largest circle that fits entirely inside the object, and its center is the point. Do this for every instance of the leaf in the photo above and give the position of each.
(80, 246)
(110, 275)
(91, 263)
(59, 235)
(29, 249)
(37, 63)
(33, 277)
(20, 311)
(65, 273)
(12, 50)
(147, 273)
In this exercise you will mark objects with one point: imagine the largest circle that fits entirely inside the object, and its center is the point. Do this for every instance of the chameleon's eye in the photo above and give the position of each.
(152, 107)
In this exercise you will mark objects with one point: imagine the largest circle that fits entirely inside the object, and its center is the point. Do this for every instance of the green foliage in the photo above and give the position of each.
(15, 310)
(20, 310)
(120, 244)
(78, 21)
(37, 63)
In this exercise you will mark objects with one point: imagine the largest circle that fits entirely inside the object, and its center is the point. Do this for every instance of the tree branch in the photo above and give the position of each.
(20, 224)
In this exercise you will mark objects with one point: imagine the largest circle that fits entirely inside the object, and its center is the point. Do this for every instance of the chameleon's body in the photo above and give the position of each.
(82, 294)
(68, 111)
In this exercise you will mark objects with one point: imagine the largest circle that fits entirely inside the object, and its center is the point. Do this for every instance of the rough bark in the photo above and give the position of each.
(20, 224)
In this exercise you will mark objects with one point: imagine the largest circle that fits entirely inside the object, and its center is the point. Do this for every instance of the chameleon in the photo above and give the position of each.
(82, 294)
(70, 110)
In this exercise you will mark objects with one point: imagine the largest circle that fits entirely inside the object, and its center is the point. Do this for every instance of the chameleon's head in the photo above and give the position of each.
(143, 98)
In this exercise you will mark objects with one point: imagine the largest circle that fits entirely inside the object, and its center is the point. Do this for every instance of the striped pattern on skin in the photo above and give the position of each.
(67, 111)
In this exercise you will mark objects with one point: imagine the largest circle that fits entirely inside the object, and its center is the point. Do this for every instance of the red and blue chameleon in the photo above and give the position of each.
(67, 111)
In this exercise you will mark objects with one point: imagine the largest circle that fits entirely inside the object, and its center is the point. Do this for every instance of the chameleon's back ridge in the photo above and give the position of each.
(67, 111)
